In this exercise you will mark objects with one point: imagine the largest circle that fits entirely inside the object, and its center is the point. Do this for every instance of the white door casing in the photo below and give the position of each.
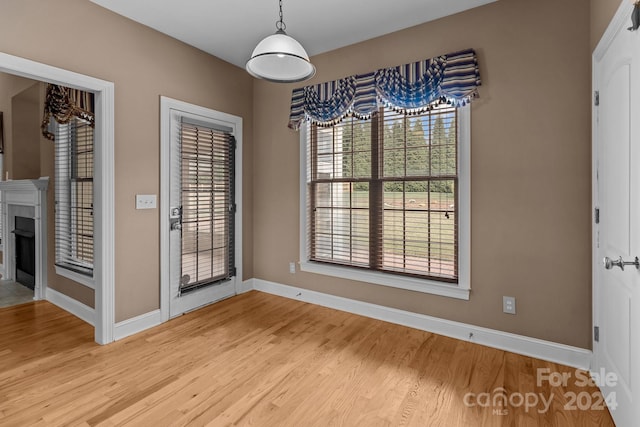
(172, 304)
(616, 232)
(104, 181)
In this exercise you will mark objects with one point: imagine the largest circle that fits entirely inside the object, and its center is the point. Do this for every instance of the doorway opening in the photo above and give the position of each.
(103, 315)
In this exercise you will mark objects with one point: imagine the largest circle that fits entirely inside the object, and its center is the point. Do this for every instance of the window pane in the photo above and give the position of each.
(417, 131)
(325, 141)
(323, 195)
(443, 144)
(353, 140)
(362, 164)
(341, 223)
(393, 162)
(341, 193)
(325, 166)
(394, 130)
(360, 195)
(344, 164)
(418, 161)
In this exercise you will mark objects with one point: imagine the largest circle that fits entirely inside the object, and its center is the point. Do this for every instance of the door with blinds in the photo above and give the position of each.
(201, 214)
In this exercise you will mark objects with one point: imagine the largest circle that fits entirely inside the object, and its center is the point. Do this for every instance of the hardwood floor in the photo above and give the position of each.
(262, 360)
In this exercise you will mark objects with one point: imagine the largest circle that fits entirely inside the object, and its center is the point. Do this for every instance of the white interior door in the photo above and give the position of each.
(201, 211)
(616, 295)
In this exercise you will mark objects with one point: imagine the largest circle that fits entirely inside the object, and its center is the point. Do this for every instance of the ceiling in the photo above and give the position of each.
(231, 29)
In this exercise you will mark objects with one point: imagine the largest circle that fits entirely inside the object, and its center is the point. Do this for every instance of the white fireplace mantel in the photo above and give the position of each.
(28, 198)
(23, 191)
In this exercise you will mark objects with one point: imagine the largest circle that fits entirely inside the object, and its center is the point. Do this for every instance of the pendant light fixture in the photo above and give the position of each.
(280, 58)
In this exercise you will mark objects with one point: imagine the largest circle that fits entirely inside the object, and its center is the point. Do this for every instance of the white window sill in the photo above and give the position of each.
(388, 279)
(87, 281)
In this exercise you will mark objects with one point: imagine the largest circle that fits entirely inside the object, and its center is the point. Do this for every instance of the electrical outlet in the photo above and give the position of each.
(292, 267)
(509, 305)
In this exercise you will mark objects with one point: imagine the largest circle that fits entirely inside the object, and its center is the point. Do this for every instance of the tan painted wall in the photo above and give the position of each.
(530, 168)
(144, 65)
(10, 85)
(26, 115)
(601, 13)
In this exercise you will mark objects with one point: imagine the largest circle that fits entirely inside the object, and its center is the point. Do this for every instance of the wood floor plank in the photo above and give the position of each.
(262, 360)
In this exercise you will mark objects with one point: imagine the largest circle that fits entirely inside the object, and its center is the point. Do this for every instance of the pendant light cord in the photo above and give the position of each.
(280, 25)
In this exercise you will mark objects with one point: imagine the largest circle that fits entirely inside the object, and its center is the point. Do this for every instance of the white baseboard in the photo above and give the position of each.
(136, 324)
(533, 347)
(71, 305)
(154, 318)
(245, 286)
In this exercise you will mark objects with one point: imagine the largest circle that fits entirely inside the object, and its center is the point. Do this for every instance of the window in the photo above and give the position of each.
(386, 191)
(387, 200)
(74, 196)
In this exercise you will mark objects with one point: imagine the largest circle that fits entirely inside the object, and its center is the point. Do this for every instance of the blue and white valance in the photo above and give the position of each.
(412, 88)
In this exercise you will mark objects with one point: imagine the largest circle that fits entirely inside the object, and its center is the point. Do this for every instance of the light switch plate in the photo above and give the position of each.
(145, 201)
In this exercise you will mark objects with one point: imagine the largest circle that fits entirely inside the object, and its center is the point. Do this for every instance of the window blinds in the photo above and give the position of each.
(382, 193)
(74, 195)
(208, 206)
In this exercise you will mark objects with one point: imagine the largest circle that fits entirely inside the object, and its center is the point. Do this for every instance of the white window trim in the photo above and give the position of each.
(83, 279)
(462, 289)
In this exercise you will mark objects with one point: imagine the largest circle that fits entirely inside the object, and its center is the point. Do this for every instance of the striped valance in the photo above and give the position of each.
(412, 88)
(63, 103)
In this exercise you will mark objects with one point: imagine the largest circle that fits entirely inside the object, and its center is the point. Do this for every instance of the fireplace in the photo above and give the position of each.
(25, 251)
(24, 233)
